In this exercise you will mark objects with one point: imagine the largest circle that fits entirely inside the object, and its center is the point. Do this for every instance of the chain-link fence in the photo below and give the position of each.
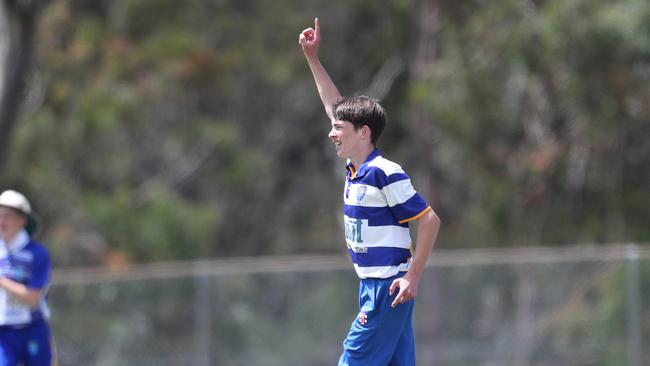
(568, 306)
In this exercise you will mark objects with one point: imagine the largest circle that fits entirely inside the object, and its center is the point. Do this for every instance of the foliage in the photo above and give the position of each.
(156, 131)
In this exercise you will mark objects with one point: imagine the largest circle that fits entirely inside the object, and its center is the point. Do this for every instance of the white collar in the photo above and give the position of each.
(18, 242)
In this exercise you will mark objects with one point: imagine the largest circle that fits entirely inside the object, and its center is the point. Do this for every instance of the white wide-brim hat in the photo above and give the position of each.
(19, 202)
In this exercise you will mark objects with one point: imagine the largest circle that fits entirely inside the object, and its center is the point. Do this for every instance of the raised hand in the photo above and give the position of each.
(309, 39)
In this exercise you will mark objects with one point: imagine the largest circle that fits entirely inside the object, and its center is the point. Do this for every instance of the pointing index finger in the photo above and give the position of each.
(317, 25)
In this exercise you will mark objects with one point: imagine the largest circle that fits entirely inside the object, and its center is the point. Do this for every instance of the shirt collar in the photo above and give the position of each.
(362, 170)
(18, 242)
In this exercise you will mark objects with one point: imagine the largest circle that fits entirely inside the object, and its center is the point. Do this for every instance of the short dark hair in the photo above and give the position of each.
(361, 111)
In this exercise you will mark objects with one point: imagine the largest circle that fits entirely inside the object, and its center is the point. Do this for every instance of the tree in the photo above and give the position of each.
(17, 25)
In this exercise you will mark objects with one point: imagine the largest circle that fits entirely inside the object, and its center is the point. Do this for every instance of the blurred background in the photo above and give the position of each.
(177, 154)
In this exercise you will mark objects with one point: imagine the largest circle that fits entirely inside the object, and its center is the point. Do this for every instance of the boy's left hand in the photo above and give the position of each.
(408, 289)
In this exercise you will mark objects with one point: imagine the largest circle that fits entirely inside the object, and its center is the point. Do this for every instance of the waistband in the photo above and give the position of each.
(387, 279)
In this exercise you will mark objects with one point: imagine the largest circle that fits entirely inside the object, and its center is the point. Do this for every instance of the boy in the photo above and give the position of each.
(25, 266)
(379, 202)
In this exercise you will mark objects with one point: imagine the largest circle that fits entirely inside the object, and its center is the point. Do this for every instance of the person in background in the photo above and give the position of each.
(25, 266)
(379, 202)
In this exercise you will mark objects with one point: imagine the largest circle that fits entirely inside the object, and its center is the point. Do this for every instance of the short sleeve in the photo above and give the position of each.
(41, 269)
(404, 202)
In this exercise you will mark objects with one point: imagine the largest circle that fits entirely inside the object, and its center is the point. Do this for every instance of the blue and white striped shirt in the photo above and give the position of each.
(379, 201)
(27, 262)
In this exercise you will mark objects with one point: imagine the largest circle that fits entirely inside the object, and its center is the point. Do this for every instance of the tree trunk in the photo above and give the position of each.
(17, 24)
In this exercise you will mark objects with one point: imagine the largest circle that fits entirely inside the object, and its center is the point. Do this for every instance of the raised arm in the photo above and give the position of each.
(309, 40)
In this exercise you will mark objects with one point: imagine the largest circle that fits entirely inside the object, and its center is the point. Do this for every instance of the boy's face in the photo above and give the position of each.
(345, 138)
(11, 222)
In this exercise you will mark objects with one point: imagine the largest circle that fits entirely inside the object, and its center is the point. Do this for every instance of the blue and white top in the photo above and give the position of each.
(379, 201)
(26, 262)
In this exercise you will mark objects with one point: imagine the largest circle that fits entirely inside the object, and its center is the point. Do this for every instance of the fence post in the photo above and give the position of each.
(202, 321)
(634, 345)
